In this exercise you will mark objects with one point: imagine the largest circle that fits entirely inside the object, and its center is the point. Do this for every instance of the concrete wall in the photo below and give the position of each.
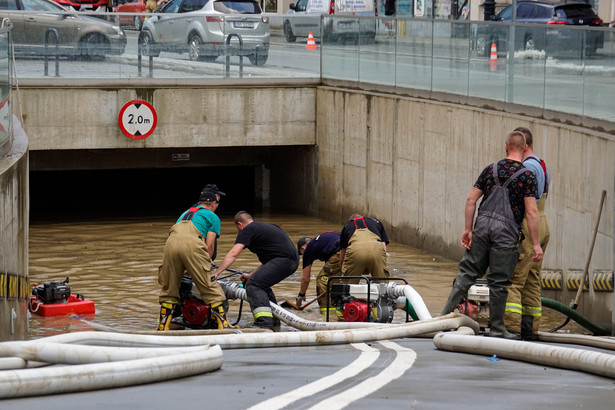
(408, 161)
(411, 163)
(201, 115)
(14, 287)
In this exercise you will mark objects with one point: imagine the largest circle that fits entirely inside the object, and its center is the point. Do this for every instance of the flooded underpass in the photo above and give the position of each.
(114, 262)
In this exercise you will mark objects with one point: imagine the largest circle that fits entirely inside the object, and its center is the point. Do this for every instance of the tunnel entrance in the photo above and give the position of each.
(133, 193)
(132, 183)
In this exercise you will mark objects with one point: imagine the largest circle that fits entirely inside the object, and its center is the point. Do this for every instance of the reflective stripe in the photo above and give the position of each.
(513, 307)
(535, 311)
(323, 311)
(262, 312)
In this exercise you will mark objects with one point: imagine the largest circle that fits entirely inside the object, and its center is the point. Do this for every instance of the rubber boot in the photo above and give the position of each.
(454, 299)
(277, 324)
(527, 333)
(166, 314)
(496, 318)
(219, 313)
(264, 323)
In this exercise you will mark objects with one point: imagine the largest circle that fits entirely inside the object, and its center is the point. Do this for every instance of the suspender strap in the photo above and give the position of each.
(510, 179)
(190, 214)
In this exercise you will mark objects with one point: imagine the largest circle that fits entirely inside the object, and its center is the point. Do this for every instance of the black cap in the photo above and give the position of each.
(209, 193)
(213, 188)
(302, 241)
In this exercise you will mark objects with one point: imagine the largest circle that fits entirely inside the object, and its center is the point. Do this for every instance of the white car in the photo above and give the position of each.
(207, 29)
(78, 35)
(305, 16)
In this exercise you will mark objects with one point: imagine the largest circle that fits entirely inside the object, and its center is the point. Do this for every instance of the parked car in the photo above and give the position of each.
(131, 6)
(202, 28)
(543, 13)
(79, 35)
(305, 16)
(86, 5)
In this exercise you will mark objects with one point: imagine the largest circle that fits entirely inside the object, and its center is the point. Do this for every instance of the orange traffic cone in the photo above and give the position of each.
(311, 44)
(493, 58)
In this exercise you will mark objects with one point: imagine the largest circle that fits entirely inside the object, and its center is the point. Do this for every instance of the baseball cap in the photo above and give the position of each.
(213, 188)
(209, 193)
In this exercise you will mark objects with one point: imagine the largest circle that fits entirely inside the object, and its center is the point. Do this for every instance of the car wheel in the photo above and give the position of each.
(194, 47)
(137, 22)
(481, 46)
(260, 58)
(288, 32)
(148, 47)
(94, 46)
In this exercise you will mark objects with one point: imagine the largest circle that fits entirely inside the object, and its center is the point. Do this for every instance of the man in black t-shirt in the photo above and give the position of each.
(509, 192)
(278, 257)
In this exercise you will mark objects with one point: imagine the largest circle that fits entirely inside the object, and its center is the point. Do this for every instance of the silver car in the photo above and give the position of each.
(78, 35)
(206, 29)
(340, 20)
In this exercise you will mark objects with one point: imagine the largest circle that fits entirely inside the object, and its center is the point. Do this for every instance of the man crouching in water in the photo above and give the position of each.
(278, 257)
(188, 248)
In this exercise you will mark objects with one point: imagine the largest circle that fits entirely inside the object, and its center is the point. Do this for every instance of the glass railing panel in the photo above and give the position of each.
(377, 47)
(6, 119)
(525, 64)
(599, 78)
(450, 58)
(414, 54)
(564, 70)
(487, 73)
(340, 48)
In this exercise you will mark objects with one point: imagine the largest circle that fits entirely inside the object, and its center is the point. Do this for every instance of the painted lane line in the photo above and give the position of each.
(404, 361)
(367, 357)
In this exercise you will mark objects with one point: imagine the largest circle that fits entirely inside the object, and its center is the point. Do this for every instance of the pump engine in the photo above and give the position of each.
(352, 301)
(477, 301)
(52, 292)
(192, 312)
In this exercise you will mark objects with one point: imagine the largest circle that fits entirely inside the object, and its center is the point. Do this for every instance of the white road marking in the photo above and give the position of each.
(404, 361)
(368, 356)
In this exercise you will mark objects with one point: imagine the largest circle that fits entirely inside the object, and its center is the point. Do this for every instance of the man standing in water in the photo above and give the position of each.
(277, 255)
(523, 306)
(509, 191)
(188, 248)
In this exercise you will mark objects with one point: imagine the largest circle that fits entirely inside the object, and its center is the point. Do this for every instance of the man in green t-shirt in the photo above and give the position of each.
(189, 247)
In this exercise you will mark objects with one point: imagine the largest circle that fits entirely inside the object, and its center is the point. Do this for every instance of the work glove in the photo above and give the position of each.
(300, 299)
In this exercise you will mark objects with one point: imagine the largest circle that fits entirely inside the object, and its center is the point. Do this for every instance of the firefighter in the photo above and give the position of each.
(187, 249)
(523, 306)
(324, 247)
(363, 248)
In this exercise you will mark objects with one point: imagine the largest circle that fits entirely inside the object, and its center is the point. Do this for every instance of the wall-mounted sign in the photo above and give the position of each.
(137, 119)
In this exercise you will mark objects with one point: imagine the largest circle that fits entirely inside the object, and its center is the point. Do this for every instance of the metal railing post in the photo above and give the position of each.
(227, 72)
(55, 33)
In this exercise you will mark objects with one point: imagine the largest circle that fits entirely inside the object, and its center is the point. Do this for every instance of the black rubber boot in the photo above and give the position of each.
(264, 323)
(496, 318)
(527, 323)
(454, 299)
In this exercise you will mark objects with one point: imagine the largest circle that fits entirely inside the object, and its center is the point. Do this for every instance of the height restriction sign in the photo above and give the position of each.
(137, 119)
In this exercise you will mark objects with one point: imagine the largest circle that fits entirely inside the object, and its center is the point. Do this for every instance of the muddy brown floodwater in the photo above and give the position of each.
(115, 264)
